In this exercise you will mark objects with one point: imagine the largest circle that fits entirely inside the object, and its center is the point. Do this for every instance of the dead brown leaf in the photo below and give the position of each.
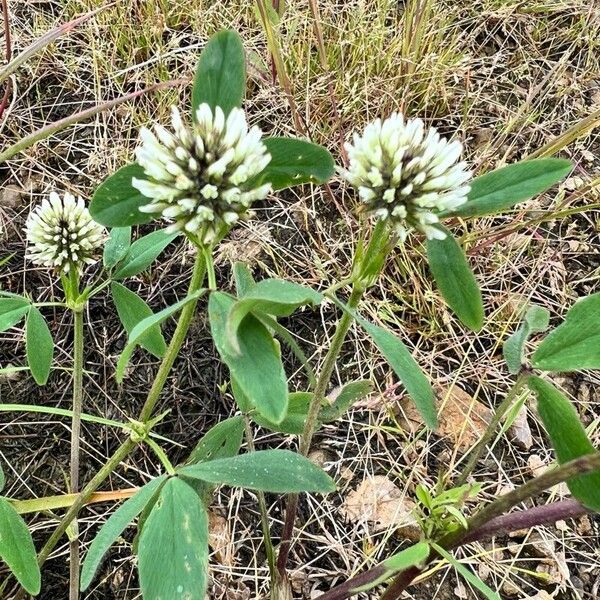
(462, 418)
(219, 539)
(377, 500)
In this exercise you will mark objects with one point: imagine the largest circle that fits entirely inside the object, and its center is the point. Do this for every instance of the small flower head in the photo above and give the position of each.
(62, 234)
(406, 174)
(199, 176)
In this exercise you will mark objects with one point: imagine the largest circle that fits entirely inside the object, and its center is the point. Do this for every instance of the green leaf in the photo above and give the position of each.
(348, 395)
(146, 325)
(407, 369)
(17, 549)
(271, 13)
(455, 280)
(470, 577)
(294, 162)
(536, 319)
(257, 367)
(221, 441)
(116, 202)
(12, 310)
(243, 278)
(294, 420)
(173, 545)
(116, 246)
(143, 253)
(277, 471)
(411, 557)
(224, 440)
(404, 365)
(220, 78)
(568, 438)
(114, 527)
(39, 346)
(505, 187)
(132, 309)
(575, 344)
(2, 479)
(271, 296)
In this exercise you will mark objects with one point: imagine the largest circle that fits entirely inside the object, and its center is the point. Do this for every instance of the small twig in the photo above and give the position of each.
(7, 53)
(46, 39)
(546, 514)
(34, 505)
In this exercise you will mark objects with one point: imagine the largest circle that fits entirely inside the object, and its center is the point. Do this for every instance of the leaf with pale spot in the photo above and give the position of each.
(173, 545)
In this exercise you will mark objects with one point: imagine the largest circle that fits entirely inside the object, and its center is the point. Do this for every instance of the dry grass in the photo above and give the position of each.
(506, 76)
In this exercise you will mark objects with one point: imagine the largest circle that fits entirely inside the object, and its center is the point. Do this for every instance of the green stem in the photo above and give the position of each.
(126, 447)
(210, 267)
(327, 370)
(75, 450)
(264, 515)
(183, 325)
(365, 270)
(475, 454)
(92, 292)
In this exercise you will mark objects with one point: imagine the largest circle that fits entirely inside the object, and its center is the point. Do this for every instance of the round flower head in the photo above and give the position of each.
(199, 176)
(62, 234)
(406, 174)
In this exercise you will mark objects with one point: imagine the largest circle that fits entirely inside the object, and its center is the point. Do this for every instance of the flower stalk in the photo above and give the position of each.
(75, 446)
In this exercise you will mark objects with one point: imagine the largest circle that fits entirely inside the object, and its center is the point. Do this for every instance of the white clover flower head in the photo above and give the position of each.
(406, 174)
(61, 234)
(200, 176)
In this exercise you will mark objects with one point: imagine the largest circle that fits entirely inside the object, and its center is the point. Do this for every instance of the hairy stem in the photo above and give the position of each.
(475, 454)
(312, 420)
(85, 494)
(75, 449)
(126, 447)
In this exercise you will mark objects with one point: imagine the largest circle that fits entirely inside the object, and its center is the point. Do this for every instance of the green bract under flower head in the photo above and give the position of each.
(62, 234)
(406, 174)
(200, 176)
